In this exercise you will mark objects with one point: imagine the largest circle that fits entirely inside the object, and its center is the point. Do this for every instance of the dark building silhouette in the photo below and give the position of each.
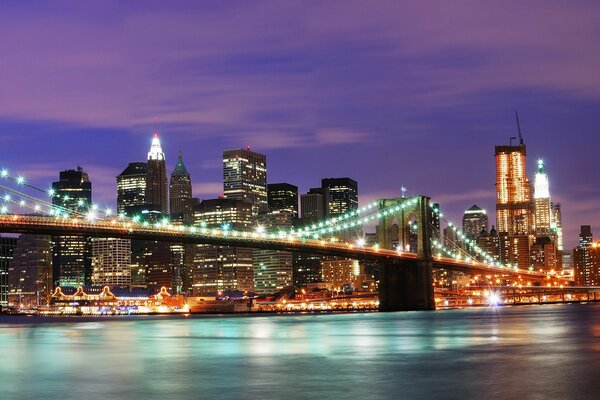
(283, 197)
(156, 181)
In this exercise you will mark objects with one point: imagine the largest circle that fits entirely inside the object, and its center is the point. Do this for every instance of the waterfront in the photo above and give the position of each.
(526, 352)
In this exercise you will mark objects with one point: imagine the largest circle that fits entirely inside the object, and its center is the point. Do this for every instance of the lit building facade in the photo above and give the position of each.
(245, 178)
(283, 197)
(273, 269)
(542, 203)
(131, 186)
(513, 191)
(180, 193)
(111, 262)
(475, 221)
(71, 258)
(342, 273)
(30, 271)
(586, 261)
(219, 268)
(7, 247)
(341, 195)
(156, 177)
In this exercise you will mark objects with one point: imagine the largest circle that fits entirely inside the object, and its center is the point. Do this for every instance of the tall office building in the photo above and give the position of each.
(312, 206)
(513, 201)
(30, 271)
(111, 262)
(219, 268)
(341, 195)
(586, 260)
(156, 177)
(131, 186)
(542, 203)
(273, 269)
(245, 178)
(557, 226)
(475, 220)
(283, 197)
(180, 193)
(7, 247)
(71, 258)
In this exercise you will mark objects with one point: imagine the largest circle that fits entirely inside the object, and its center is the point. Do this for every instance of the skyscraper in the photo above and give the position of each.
(30, 271)
(220, 268)
(156, 181)
(7, 247)
(131, 186)
(341, 195)
(71, 258)
(557, 226)
(245, 178)
(542, 203)
(111, 262)
(475, 220)
(283, 197)
(586, 259)
(312, 206)
(513, 200)
(180, 193)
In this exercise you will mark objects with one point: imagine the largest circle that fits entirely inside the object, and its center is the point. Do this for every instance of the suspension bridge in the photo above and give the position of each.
(406, 280)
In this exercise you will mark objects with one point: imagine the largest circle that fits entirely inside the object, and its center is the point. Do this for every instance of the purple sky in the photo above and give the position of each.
(387, 93)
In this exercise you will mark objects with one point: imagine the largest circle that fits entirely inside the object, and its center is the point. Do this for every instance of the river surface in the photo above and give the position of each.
(527, 352)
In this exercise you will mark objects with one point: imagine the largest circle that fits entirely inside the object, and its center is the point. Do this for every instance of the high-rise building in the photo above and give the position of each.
(219, 268)
(180, 193)
(245, 178)
(131, 186)
(342, 273)
(111, 262)
(341, 195)
(582, 258)
(542, 203)
(156, 177)
(557, 226)
(312, 206)
(475, 220)
(273, 269)
(283, 197)
(30, 271)
(71, 258)
(7, 247)
(513, 200)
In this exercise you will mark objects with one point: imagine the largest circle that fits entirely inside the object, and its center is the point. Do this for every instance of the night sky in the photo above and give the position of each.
(389, 94)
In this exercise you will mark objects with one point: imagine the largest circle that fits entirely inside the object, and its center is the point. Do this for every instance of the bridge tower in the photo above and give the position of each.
(406, 284)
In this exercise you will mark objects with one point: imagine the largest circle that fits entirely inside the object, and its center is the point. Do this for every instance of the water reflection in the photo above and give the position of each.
(518, 352)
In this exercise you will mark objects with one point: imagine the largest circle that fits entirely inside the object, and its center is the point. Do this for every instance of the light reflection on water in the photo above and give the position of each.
(539, 352)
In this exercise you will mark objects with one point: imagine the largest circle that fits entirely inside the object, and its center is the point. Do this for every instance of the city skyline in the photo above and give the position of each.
(309, 98)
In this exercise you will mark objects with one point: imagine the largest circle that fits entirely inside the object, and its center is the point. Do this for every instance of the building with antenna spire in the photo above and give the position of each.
(542, 203)
(156, 181)
(180, 193)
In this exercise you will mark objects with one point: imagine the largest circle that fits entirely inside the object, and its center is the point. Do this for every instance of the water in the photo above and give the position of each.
(534, 352)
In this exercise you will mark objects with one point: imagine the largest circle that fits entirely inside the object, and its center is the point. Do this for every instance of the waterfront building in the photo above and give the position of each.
(111, 262)
(586, 261)
(131, 186)
(245, 178)
(7, 247)
(30, 271)
(219, 268)
(342, 274)
(273, 269)
(475, 220)
(71, 258)
(156, 177)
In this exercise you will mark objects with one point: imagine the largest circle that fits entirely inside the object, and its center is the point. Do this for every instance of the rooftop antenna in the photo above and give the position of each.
(519, 128)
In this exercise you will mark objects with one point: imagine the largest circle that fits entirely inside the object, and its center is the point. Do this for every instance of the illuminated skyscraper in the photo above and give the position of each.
(111, 261)
(341, 195)
(71, 258)
(556, 225)
(220, 268)
(475, 220)
(30, 271)
(156, 181)
(245, 178)
(283, 197)
(586, 257)
(180, 193)
(7, 247)
(513, 200)
(542, 203)
(131, 186)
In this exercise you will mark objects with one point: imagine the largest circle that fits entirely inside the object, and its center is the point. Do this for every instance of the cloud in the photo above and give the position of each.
(207, 189)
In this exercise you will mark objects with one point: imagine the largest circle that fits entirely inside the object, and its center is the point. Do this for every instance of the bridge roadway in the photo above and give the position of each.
(115, 228)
